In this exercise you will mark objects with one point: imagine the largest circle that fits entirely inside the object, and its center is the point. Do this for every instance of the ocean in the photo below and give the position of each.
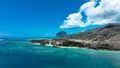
(20, 53)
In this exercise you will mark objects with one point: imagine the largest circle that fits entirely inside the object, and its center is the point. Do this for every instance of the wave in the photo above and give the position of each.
(1, 39)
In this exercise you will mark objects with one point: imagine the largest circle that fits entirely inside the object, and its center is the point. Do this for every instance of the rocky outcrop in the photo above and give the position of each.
(42, 42)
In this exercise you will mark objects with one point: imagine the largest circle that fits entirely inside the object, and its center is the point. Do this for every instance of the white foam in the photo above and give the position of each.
(1, 39)
(66, 47)
(48, 45)
(37, 43)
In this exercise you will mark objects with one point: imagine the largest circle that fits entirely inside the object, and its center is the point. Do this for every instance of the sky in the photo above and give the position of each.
(44, 18)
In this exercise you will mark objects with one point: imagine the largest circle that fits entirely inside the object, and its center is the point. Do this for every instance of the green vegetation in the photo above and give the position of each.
(72, 44)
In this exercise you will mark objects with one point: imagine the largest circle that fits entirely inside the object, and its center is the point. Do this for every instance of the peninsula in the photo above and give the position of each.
(104, 37)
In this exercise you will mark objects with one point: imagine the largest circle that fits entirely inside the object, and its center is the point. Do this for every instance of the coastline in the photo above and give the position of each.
(86, 48)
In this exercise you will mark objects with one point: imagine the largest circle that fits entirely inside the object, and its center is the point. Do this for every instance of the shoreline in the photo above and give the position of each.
(98, 50)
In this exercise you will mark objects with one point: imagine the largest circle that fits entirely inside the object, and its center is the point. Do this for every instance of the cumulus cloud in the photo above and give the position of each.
(96, 12)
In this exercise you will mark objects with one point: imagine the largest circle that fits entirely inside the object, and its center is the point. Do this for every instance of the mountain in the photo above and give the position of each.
(104, 37)
(100, 33)
(61, 34)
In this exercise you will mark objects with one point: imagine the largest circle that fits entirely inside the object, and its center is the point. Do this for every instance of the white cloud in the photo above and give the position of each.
(73, 20)
(4, 34)
(108, 11)
(49, 34)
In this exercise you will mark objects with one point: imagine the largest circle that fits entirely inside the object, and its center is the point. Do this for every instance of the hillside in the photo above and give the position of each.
(100, 33)
(104, 37)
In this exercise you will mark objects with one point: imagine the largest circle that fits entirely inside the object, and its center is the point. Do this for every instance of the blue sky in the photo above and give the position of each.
(37, 18)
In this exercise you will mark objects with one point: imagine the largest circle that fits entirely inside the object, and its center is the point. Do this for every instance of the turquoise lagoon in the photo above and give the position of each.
(20, 53)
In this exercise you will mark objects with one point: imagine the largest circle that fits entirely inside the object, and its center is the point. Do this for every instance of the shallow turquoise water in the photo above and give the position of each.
(22, 54)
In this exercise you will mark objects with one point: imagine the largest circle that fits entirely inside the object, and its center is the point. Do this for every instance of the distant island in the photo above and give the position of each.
(104, 37)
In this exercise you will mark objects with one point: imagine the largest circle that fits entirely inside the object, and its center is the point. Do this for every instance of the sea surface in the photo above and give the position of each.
(20, 53)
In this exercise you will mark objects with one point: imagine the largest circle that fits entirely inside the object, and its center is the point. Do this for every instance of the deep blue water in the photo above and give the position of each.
(19, 53)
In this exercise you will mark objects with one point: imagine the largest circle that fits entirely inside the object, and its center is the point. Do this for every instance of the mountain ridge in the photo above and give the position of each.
(100, 31)
(103, 37)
